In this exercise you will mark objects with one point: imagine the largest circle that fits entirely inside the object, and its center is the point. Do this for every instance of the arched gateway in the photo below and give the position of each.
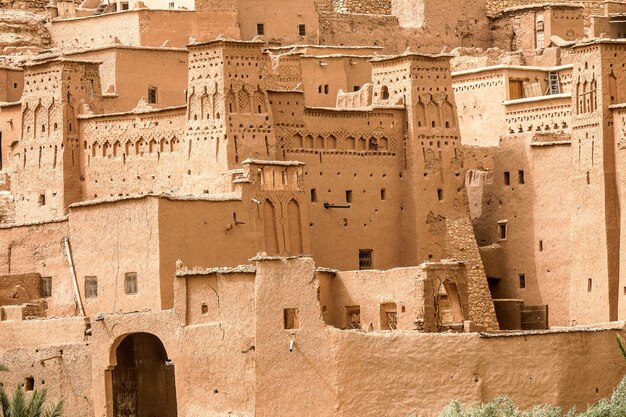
(143, 379)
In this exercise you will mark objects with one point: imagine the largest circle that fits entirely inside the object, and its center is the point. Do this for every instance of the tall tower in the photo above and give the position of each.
(228, 118)
(46, 160)
(435, 212)
(598, 82)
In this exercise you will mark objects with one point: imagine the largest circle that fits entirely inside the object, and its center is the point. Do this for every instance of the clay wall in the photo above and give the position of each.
(591, 7)
(483, 119)
(129, 245)
(11, 84)
(544, 114)
(412, 293)
(162, 68)
(19, 289)
(520, 29)
(326, 76)
(518, 191)
(281, 20)
(132, 153)
(10, 120)
(340, 163)
(52, 352)
(142, 28)
(619, 132)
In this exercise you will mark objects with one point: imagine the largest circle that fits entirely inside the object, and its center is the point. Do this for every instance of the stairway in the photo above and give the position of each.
(102, 7)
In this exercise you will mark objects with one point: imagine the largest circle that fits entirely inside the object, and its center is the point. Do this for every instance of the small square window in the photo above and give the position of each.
(292, 320)
(365, 258)
(502, 230)
(46, 287)
(356, 88)
(125, 6)
(29, 384)
(172, 5)
(152, 95)
(302, 30)
(260, 29)
(14, 85)
(91, 287)
(507, 178)
(130, 283)
(520, 177)
(522, 280)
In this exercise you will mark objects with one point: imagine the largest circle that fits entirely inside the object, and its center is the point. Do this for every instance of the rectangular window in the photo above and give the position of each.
(46, 287)
(383, 194)
(541, 246)
(325, 88)
(172, 5)
(260, 29)
(152, 95)
(302, 30)
(348, 196)
(353, 317)
(502, 230)
(291, 318)
(91, 287)
(365, 258)
(125, 6)
(589, 285)
(440, 194)
(356, 88)
(520, 177)
(507, 178)
(522, 281)
(388, 316)
(130, 283)
(313, 195)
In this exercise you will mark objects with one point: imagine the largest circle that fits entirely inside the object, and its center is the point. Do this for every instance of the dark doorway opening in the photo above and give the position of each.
(143, 379)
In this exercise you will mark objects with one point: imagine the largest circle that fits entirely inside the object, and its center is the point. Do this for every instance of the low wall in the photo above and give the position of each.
(401, 374)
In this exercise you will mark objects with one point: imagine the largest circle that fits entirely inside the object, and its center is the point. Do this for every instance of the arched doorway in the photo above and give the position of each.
(449, 305)
(143, 379)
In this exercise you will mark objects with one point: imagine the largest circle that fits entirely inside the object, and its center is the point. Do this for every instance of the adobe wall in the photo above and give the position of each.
(535, 244)
(364, 6)
(472, 368)
(124, 86)
(280, 19)
(619, 130)
(37, 248)
(143, 28)
(123, 151)
(55, 353)
(130, 244)
(493, 7)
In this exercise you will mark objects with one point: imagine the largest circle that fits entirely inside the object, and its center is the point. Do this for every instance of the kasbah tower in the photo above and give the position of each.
(312, 208)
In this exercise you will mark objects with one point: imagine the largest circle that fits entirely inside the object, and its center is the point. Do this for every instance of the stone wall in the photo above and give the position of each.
(363, 6)
(494, 7)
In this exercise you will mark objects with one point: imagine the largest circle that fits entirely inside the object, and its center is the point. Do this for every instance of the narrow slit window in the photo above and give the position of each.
(46, 287)
(91, 287)
(313, 195)
(152, 95)
(520, 175)
(589, 285)
(440, 194)
(522, 281)
(383, 194)
(291, 318)
(302, 30)
(260, 29)
(502, 230)
(348, 196)
(130, 283)
(507, 178)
